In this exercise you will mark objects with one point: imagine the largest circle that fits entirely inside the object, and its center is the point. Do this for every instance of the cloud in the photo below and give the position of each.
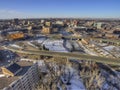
(10, 14)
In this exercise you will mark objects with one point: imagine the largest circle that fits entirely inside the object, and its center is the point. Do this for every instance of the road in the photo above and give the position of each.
(71, 55)
(99, 59)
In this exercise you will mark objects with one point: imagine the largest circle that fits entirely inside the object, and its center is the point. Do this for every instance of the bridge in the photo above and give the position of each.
(112, 61)
(109, 41)
(66, 37)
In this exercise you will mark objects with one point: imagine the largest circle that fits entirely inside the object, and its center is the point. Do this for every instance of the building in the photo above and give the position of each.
(16, 21)
(84, 41)
(98, 25)
(24, 78)
(61, 23)
(42, 21)
(29, 30)
(11, 70)
(15, 35)
(27, 82)
(89, 23)
(7, 56)
(47, 24)
(1, 38)
(55, 30)
(46, 30)
(109, 35)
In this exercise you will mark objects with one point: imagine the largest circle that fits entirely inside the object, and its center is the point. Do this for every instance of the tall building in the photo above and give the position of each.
(26, 82)
(22, 75)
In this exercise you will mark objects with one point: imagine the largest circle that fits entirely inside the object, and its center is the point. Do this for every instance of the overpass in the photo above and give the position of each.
(112, 61)
(101, 40)
(66, 37)
(109, 41)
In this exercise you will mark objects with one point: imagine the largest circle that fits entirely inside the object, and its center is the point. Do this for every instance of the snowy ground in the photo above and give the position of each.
(109, 48)
(41, 40)
(75, 81)
(101, 78)
(88, 51)
(2, 75)
(115, 50)
(69, 75)
(29, 43)
(59, 45)
(16, 46)
(55, 45)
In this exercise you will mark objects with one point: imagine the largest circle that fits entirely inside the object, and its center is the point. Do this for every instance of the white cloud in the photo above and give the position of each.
(10, 14)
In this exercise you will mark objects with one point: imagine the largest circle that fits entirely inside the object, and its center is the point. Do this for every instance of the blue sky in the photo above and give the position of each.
(59, 8)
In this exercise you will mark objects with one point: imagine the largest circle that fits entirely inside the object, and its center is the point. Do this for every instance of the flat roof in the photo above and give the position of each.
(4, 81)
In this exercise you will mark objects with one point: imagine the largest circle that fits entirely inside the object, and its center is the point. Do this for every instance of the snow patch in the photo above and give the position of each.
(55, 45)
(16, 46)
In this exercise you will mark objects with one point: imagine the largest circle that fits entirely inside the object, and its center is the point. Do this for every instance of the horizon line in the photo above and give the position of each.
(118, 18)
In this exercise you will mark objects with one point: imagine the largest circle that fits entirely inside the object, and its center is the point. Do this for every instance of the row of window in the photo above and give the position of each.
(27, 81)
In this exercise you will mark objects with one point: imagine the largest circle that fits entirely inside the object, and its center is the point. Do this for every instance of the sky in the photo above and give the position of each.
(59, 8)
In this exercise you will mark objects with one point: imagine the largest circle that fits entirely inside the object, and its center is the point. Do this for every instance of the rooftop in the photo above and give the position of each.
(13, 68)
(7, 56)
(5, 81)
